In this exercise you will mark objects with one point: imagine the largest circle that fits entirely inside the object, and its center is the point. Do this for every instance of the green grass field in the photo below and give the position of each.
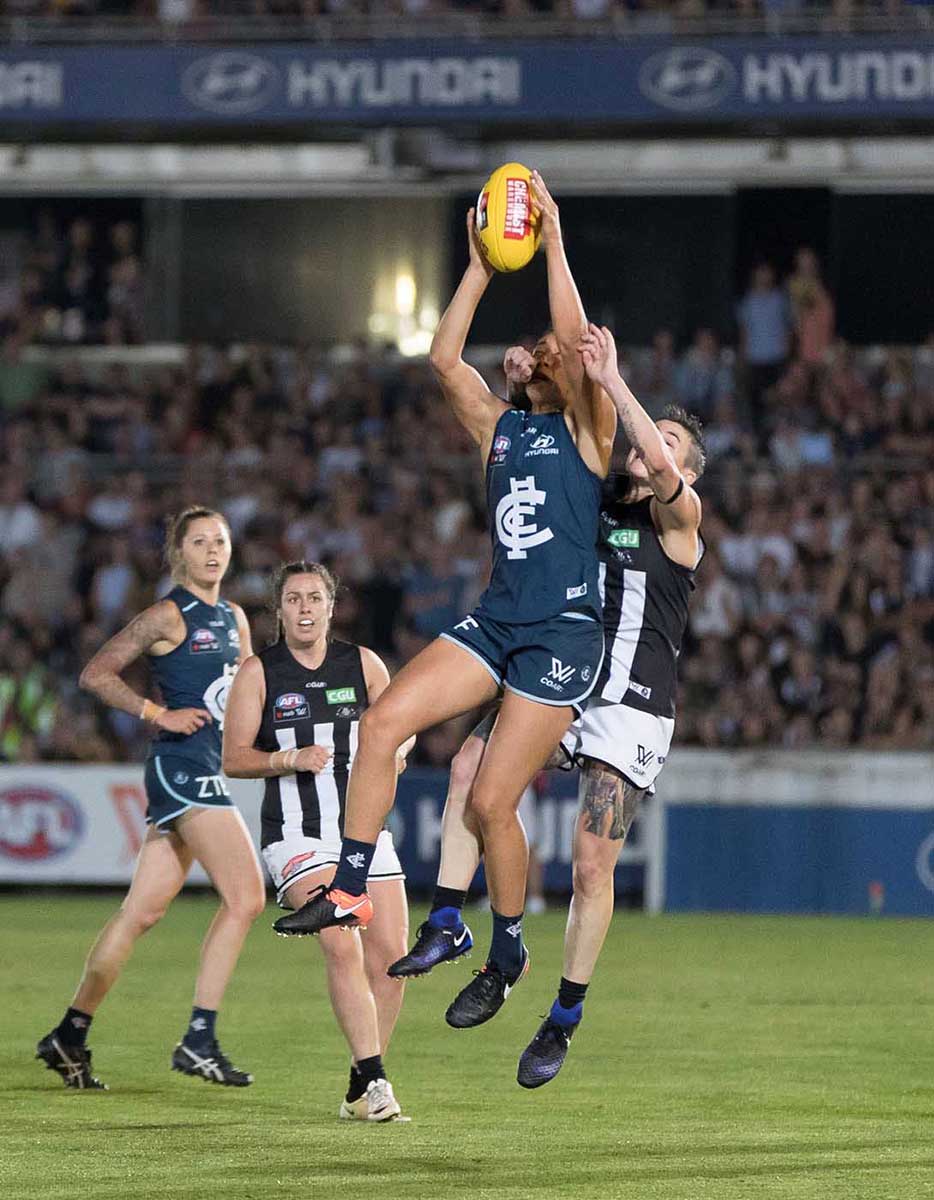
(721, 1057)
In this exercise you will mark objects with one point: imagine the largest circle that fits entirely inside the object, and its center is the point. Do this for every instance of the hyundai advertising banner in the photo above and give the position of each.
(643, 81)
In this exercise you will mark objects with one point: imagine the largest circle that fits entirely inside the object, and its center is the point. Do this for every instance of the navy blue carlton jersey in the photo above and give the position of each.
(544, 505)
(198, 674)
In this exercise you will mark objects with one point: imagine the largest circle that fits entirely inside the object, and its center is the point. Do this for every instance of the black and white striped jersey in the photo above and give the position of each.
(645, 610)
(310, 708)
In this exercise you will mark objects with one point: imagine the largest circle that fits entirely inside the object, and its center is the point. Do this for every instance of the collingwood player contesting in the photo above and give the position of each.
(649, 547)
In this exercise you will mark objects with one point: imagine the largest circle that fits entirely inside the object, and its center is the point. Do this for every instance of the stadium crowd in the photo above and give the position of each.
(813, 622)
(655, 15)
(71, 282)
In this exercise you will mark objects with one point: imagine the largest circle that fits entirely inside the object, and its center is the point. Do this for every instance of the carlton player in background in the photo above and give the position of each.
(194, 641)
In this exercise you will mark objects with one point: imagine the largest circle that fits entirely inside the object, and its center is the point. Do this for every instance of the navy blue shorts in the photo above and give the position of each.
(555, 661)
(175, 785)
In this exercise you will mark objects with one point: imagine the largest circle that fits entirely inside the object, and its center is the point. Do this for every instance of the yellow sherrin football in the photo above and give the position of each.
(508, 234)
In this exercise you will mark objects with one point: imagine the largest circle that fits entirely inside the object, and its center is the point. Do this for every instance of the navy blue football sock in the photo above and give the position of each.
(200, 1032)
(354, 866)
(446, 918)
(507, 950)
(566, 1017)
(73, 1027)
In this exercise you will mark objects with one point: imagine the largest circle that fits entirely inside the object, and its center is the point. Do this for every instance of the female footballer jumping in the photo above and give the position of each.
(536, 632)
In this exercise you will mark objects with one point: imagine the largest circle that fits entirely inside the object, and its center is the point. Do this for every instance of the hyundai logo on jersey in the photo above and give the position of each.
(292, 706)
(204, 641)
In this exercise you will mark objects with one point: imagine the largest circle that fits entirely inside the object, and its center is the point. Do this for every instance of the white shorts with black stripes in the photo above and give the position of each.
(633, 741)
(296, 857)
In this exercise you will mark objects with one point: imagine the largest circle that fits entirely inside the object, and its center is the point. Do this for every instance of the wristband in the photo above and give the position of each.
(287, 761)
(677, 492)
(150, 711)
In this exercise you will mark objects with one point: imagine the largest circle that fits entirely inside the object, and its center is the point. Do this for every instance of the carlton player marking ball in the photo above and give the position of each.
(508, 234)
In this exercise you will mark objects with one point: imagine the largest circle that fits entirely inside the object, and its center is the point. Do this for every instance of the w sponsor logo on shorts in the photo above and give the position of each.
(558, 676)
(644, 758)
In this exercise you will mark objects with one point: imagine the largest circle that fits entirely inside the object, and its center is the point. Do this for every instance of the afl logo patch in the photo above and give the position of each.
(291, 706)
(38, 823)
(204, 641)
(501, 445)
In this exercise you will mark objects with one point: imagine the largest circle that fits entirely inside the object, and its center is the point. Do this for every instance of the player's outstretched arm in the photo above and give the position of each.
(156, 630)
(242, 718)
(474, 404)
(679, 506)
(592, 411)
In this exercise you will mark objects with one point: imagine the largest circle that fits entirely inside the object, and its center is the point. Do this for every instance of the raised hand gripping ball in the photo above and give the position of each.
(508, 233)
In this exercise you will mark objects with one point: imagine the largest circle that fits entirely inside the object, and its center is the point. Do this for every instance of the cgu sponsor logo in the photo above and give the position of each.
(294, 863)
(38, 823)
(405, 82)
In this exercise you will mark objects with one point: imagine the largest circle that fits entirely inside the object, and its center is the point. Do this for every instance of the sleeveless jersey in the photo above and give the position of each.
(645, 610)
(544, 504)
(310, 708)
(198, 674)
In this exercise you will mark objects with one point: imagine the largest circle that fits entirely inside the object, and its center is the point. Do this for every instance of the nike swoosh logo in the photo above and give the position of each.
(459, 941)
(346, 912)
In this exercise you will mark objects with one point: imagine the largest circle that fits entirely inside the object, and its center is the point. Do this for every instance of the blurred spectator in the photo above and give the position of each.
(702, 377)
(84, 284)
(812, 307)
(764, 320)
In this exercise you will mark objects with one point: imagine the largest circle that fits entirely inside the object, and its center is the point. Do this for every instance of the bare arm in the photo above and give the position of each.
(677, 508)
(246, 639)
(242, 719)
(157, 630)
(376, 674)
(474, 404)
(589, 407)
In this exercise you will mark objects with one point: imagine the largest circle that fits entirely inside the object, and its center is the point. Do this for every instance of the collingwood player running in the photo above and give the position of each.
(649, 547)
(193, 640)
(293, 719)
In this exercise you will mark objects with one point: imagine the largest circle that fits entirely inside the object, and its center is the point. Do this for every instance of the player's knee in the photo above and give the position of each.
(245, 906)
(592, 876)
(464, 769)
(489, 808)
(380, 729)
(142, 919)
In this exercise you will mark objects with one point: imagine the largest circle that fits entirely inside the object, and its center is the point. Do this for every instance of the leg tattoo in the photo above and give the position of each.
(608, 800)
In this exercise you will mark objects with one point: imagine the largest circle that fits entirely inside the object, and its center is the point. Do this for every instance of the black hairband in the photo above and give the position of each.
(678, 490)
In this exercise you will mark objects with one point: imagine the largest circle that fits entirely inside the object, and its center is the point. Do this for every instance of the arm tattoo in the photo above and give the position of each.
(102, 674)
(608, 800)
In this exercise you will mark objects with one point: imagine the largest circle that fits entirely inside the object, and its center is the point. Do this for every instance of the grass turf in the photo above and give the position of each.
(724, 1057)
